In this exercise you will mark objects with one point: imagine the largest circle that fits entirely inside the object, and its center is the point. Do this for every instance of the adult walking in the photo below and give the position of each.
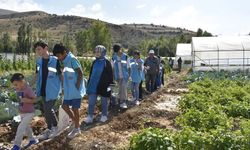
(152, 70)
(179, 64)
(100, 79)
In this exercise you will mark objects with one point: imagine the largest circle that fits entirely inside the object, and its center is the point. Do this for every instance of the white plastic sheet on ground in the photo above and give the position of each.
(63, 120)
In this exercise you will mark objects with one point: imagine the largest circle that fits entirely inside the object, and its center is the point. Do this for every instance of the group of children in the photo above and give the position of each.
(62, 72)
(51, 79)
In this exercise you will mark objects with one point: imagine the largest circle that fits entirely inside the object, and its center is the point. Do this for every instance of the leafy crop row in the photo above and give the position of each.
(215, 115)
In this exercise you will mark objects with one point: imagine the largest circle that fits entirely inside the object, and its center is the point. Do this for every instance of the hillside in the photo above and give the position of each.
(57, 26)
(6, 12)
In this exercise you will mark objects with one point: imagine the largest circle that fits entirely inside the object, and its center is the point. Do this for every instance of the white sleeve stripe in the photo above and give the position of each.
(52, 69)
(132, 63)
(67, 69)
(124, 61)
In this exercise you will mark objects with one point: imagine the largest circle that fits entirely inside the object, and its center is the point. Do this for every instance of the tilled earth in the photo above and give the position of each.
(156, 110)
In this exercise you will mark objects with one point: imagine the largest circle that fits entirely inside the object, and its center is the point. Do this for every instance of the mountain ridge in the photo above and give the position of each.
(59, 25)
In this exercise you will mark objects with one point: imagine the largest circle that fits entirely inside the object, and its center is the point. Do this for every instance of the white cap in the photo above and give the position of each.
(151, 51)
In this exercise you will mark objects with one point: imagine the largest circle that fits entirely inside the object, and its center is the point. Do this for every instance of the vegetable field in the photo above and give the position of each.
(213, 115)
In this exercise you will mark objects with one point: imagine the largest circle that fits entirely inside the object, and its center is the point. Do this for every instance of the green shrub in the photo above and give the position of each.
(214, 115)
(152, 139)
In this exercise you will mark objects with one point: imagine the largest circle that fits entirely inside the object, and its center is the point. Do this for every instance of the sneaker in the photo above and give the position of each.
(30, 143)
(54, 132)
(89, 119)
(137, 103)
(133, 99)
(45, 135)
(71, 126)
(124, 106)
(15, 147)
(75, 132)
(104, 119)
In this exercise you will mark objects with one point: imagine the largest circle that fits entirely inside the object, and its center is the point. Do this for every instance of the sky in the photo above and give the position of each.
(220, 17)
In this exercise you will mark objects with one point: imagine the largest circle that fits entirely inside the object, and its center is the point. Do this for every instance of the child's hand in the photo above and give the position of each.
(23, 100)
(78, 86)
(28, 100)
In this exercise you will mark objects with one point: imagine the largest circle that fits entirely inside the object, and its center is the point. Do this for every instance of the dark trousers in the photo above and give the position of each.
(140, 90)
(49, 113)
(157, 81)
(179, 67)
(162, 77)
(150, 82)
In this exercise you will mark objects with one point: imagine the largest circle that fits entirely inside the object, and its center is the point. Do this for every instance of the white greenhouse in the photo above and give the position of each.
(184, 51)
(221, 53)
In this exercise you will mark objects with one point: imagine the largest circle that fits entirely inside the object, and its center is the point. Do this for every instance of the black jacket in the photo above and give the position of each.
(105, 80)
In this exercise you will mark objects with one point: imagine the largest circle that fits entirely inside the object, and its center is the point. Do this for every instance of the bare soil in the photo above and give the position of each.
(158, 109)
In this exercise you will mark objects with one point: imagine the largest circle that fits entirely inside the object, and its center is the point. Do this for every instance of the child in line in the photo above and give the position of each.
(120, 65)
(48, 87)
(100, 79)
(136, 66)
(73, 85)
(27, 110)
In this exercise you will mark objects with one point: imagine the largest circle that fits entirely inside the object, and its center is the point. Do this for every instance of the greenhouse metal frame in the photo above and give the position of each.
(221, 53)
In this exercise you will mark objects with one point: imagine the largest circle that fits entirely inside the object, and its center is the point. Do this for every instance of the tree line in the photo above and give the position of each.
(85, 40)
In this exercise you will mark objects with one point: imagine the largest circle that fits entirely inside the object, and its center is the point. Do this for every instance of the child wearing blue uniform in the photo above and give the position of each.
(73, 85)
(120, 65)
(136, 66)
(48, 86)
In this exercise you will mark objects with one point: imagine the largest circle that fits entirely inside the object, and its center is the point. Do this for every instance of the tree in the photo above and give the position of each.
(101, 35)
(83, 41)
(199, 32)
(97, 34)
(14, 65)
(1, 46)
(182, 39)
(164, 46)
(21, 38)
(207, 34)
(7, 47)
(172, 46)
(29, 43)
(28, 40)
(41, 34)
(143, 47)
(67, 42)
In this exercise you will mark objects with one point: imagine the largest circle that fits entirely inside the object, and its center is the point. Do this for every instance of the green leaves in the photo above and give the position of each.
(152, 139)
(209, 112)
(214, 115)
(97, 34)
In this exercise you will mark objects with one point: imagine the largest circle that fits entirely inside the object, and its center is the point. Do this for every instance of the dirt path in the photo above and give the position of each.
(156, 110)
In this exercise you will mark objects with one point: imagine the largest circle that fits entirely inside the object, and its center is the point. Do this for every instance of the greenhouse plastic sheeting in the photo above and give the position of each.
(183, 50)
(216, 53)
